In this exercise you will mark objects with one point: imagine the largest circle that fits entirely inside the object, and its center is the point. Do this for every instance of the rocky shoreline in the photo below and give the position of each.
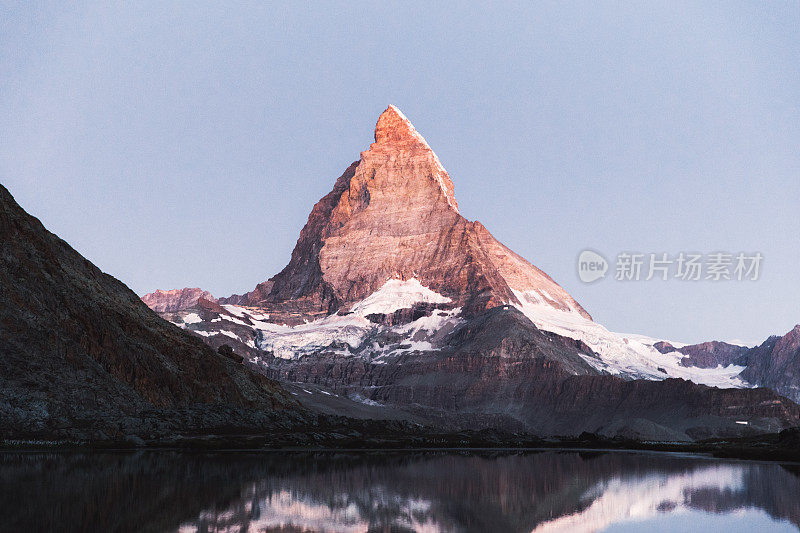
(397, 436)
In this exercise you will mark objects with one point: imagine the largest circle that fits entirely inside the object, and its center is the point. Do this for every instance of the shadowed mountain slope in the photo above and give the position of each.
(82, 357)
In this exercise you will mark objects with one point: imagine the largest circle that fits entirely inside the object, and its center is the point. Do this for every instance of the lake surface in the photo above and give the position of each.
(549, 491)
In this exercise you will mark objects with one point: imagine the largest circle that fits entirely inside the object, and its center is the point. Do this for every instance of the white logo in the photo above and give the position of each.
(591, 266)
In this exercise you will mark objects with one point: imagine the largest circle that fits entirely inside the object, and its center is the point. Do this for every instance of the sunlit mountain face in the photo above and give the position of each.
(544, 492)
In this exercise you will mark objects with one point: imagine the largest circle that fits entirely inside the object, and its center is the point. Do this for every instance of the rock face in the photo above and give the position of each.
(776, 364)
(83, 358)
(175, 300)
(393, 215)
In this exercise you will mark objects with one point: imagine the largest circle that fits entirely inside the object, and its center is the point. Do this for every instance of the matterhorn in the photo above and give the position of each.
(395, 305)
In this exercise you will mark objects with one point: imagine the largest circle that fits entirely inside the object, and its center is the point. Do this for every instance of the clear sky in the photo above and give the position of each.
(175, 144)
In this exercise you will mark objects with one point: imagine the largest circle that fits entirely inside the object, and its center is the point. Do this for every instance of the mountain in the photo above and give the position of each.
(393, 216)
(707, 354)
(393, 299)
(175, 300)
(776, 364)
(83, 358)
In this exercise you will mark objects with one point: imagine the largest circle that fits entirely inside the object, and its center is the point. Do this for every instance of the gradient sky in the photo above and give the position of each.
(184, 145)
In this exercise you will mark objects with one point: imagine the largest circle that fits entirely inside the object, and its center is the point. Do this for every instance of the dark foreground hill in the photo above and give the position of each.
(81, 357)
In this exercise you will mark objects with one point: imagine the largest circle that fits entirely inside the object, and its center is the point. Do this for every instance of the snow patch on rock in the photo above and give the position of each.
(397, 294)
(289, 342)
(432, 323)
(192, 318)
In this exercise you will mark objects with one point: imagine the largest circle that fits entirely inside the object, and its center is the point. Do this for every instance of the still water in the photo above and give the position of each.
(545, 491)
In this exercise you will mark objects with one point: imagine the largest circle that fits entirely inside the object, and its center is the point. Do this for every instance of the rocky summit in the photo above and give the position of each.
(394, 305)
(393, 215)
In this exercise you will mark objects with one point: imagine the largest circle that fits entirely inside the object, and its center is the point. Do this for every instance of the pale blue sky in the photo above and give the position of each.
(177, 145)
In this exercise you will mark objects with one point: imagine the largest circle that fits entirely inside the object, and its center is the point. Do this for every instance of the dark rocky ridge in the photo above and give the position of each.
(500, 371)
(776, 364)
(708, 354)
(81, 357)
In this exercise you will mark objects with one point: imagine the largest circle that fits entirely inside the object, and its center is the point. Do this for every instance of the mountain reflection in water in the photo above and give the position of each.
(248, 492)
